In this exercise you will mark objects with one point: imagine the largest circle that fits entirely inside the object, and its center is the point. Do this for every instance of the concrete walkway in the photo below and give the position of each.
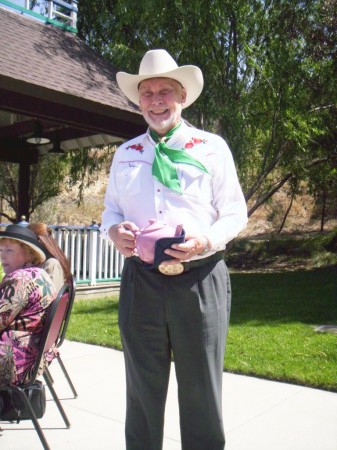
(258, 414)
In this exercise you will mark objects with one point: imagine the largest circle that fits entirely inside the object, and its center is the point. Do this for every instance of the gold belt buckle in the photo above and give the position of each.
(171, 269)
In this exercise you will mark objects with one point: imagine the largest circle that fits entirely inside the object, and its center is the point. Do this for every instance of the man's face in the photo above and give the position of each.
(161, 101)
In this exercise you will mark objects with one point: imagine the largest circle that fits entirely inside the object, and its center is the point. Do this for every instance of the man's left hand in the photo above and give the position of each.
(193, 245)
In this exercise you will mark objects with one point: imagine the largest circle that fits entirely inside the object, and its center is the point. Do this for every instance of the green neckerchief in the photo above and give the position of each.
(163, 167)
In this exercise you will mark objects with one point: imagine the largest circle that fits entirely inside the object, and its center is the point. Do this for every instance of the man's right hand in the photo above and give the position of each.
(123, 236)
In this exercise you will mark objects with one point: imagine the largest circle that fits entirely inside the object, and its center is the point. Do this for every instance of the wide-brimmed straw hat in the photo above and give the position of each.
(27, 236)
(160, 64)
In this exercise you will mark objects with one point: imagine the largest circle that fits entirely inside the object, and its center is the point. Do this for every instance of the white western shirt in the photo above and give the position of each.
(211, 204)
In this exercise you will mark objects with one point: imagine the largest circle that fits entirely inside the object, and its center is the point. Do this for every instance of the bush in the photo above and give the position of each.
(319, 250)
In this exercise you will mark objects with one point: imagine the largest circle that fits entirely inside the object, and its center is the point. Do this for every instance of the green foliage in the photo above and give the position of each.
(46, 181)
(84, 165)
(47, 178)
(269, 69)
(319, 249)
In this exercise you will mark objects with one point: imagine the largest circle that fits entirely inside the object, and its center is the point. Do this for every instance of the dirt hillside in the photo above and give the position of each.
(303, 217)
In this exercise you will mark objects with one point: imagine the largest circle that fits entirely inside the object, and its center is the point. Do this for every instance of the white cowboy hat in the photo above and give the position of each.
(160, 64)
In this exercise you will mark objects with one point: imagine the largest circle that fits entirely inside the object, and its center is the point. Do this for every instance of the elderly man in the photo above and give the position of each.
(180, 304)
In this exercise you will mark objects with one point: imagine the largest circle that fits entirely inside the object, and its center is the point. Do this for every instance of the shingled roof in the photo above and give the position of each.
(54, 68)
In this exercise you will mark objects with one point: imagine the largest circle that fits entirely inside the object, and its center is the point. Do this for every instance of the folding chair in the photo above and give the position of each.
(72, 291)
(49, 337)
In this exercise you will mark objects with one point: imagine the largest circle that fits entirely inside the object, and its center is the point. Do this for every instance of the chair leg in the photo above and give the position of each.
(51, 379)
(64, 370)
(49, 383)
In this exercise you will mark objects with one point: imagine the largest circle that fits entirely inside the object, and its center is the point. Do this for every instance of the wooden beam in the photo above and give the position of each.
(95, 118)
(15, 152)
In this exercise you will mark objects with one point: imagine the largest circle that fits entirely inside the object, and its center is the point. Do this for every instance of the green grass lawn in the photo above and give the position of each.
(272, 331)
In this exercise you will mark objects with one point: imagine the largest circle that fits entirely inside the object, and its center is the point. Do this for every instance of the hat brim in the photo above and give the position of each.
(190, 77)
(39, 249)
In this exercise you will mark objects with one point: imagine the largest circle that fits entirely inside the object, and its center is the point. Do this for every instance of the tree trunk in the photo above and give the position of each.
(323, 210)
(287, 212)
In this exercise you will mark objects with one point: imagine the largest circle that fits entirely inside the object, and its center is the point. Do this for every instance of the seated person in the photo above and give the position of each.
(56, 264)
(26, 292)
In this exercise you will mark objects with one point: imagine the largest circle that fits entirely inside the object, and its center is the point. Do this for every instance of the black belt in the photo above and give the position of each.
(183, 266)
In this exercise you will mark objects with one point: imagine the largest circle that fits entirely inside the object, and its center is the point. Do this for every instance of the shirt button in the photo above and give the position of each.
(158, 190)
(160, 212)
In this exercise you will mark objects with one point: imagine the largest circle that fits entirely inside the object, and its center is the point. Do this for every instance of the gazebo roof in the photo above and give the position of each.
(51, 79)
(49, 74)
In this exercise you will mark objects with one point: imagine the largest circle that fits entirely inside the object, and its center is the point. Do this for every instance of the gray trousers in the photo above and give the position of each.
(187, 316)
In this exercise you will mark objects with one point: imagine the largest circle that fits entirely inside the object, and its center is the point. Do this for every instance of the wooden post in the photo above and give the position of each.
(23, 191)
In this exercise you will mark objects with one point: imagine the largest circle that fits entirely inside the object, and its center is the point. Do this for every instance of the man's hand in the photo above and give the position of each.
(193, 245)
(122, 235)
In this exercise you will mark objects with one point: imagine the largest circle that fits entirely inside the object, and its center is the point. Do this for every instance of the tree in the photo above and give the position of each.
(47, 180)
(269, 69)
(85, 164)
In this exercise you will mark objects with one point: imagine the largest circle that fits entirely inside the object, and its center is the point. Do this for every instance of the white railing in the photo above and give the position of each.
(60, 13)
(92, 260)
(55, 11)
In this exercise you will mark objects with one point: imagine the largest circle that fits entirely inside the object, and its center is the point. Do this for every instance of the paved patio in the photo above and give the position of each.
(258, 414)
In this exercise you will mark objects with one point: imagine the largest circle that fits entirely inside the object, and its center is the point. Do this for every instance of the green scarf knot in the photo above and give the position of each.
(163, 167)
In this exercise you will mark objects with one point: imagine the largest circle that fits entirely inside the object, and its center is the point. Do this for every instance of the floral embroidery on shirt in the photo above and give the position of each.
(138, 147)
(194, 141)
